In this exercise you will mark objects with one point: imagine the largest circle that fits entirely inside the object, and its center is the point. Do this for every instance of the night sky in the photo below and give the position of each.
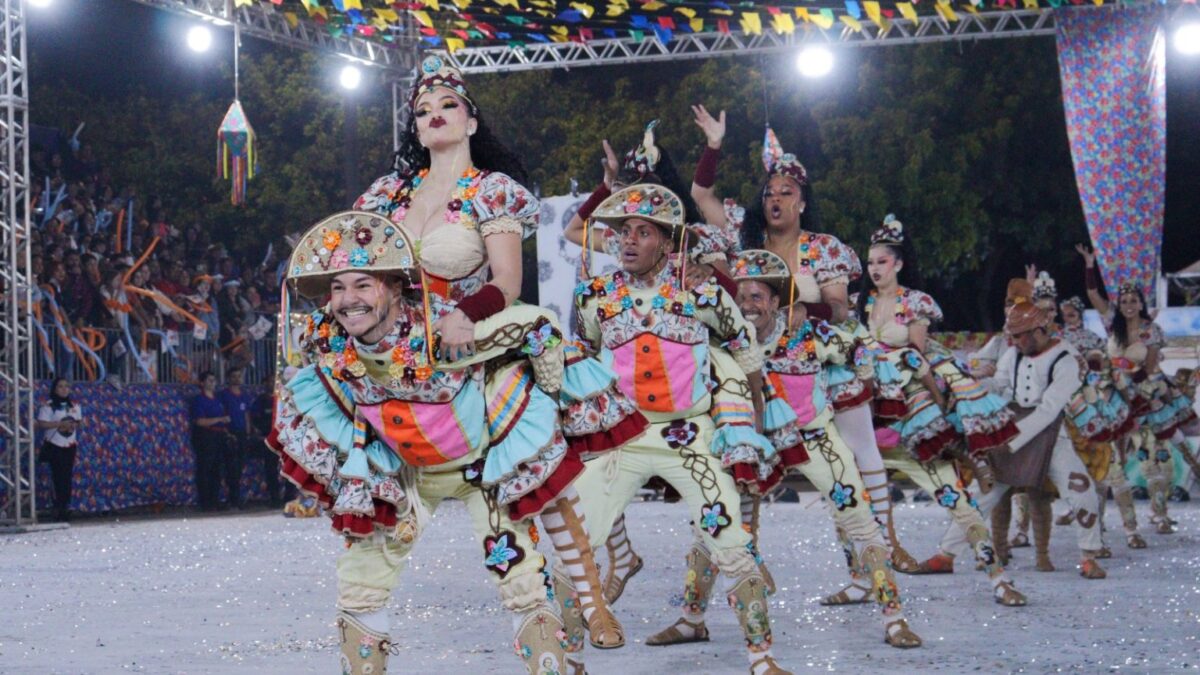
(118, 46)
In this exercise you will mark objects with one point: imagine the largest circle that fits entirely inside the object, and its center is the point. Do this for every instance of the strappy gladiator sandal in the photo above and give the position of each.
(604, 631)
(671, 635)
(1006, 595)
(1135, 541)
(844, 598)
(772, 668)
(1104, 553)
(618, 575)
(899, 635)
(1090, 569)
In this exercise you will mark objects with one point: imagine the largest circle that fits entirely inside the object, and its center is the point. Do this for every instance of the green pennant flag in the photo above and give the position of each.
(637, 35)
(519, 20)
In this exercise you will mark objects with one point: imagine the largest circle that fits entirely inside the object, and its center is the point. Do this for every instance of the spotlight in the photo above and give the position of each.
(199, 39)
(350, 77)
(814, 62)
(40, 3)
(1187, 39)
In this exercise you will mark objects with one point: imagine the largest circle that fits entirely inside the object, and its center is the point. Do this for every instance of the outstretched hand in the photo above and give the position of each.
(1031, 272)
(713, 127)
(610, 164)
(1089, 256)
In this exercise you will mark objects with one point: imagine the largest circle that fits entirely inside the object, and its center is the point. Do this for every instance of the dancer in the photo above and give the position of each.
(784, 221)
(656, 335)
(394, 410)
(1135, 344)
(924, 443)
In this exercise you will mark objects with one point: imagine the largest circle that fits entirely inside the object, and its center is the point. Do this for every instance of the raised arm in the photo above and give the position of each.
(1091, 278)
(706, 169)
(575, 229)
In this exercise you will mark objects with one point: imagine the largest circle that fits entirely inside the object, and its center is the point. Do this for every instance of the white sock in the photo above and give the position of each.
(375, 620)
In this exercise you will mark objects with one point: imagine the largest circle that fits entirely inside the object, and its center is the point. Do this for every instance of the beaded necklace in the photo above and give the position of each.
(617, 299)
(458, 209)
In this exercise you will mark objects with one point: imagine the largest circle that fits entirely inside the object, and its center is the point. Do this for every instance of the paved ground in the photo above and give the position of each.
(253, 594)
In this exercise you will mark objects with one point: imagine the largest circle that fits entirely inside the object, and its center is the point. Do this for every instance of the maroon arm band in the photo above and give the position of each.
(819, 310)
(1091, 278)
(485, 302)
(598, 195)
(725, 282)
(706, 168)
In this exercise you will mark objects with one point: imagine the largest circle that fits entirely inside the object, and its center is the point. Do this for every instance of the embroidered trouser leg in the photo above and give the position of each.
(941, 480)
(369, 570)
(1122, 493)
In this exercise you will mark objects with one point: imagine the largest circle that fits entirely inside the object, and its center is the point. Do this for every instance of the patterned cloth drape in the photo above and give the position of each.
(1114, 93)
(134, 448)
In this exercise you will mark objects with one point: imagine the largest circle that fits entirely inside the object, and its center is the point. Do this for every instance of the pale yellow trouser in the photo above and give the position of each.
(610, 482)
(369, 570)
(832, 471)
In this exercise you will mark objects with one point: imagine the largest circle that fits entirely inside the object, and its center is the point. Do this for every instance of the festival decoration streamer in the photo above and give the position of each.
(236, 159)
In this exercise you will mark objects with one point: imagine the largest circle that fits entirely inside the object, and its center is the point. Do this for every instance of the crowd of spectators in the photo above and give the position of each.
(89, 233)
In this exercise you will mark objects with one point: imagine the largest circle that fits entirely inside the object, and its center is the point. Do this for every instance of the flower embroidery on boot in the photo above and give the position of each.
(502, 552)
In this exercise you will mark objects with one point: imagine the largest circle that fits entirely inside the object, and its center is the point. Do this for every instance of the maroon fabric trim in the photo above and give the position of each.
(819, 310)
(726, 282)
(598, 195)
(1091, 278)
(706, 168)
(485, 302)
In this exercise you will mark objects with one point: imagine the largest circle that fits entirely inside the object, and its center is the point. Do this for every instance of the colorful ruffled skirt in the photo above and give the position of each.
(747, 455)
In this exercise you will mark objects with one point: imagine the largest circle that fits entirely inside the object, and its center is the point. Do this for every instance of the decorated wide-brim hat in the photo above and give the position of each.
(1024, 317)
(350, 241)
(645, 201)
(765, 267)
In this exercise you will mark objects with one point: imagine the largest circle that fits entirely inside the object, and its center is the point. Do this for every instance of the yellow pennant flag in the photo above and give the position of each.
(508, 3)
(291, 19)
(432, 4)
(751, 23)
(561, 30)
(686, 11)
(1098, 2)
(872, 8)
(653, 5)
(970, 8)
(907, 11)
(614, 10)
(1031, 4)
(802, 14)
(422, 17)
(454, 44)
(854, 24)
(462, 24)
(584, 9)
(943, 8)
(783, 24)
(824, 19)
(352, 4)
(697, 25)
(243, 3)
(388, 15)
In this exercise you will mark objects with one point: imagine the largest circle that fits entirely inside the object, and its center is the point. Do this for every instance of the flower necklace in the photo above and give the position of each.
(808, 251)
(339, 358)
(900, 309)
(458, 210)
(409, 359)
(792, 346)
(617, 298)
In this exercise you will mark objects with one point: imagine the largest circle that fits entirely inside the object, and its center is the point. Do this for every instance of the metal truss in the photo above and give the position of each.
(264, 21)
(991, 24)
(18, 498)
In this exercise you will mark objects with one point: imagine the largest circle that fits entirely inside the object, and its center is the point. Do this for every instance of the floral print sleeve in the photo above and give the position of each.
(919, 308)
(378, 197)
(501, 204)
(1153, 336)
(836, 262)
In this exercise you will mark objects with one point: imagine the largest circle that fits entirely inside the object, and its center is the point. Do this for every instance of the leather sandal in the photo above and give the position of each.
(903, 562)
(1090, 569)
(1019, 540)
(1135, 541)
(671, 635)
(772, 668)
(939, 563)
(899, 635)
(1008, 596)
(842, 597)
(619, 575)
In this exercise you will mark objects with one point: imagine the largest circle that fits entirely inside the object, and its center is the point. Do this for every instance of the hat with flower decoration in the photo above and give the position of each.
(1018, 290)
(891, 232)
(1044, 286)
(436, 71)
(764, 266)
(780, 163)
(351, 241)
(649, 202)
(644, 158)
(1128, 287)
(1024, 317)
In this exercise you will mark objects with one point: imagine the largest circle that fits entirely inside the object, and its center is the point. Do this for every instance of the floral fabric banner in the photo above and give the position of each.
(1114, 93)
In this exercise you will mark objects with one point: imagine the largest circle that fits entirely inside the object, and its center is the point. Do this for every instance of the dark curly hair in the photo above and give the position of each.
(753, 233)
(909, 275)
(487, 152)
(1121, 326)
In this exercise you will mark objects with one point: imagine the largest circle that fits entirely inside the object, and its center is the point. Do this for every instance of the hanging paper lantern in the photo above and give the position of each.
(235, 151)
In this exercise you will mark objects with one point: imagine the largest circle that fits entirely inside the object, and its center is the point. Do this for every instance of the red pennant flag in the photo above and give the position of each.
(666, 22)
(723, 25)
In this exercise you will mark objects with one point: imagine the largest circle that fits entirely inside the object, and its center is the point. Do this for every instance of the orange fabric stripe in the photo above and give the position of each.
(777, 384)
(410, 441)
(654, 392)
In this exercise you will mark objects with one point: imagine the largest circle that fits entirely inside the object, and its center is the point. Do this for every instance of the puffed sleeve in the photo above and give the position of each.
(837, 263)
(735, 215)
(920, 308)
(587, 323)
(378, 197)
(1155, 337)
(501, 204)
(717, 242)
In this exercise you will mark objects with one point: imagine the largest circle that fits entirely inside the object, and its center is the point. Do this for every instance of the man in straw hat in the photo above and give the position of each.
(655, 333)
(1038, 375)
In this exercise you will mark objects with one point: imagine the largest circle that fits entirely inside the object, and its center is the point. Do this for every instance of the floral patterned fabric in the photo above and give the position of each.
(134, 449)
(1113, 74)
(824, 257)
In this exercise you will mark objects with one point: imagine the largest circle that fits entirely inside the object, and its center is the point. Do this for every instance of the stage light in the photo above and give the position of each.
(1187, 39)
(199, 38)
(40, 3)
(350, 77)
(814, 62)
